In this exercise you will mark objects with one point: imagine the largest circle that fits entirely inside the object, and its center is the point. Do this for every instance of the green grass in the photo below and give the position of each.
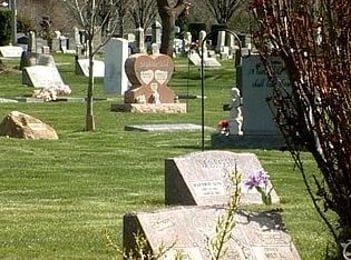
(57, 198)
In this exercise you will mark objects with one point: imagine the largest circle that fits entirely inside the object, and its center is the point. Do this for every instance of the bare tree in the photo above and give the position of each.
(86, 13)
(169, 13)
(223, 10)
(313, 39)
(143, 12)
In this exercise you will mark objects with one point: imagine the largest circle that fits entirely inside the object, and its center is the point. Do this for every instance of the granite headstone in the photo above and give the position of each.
(203, 178)
(187, 230)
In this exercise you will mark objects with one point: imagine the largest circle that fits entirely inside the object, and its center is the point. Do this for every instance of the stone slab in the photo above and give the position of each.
(256, 236)
(98, 70)
(203, 178)
(150, 108)
(7, 100)
(268, 142)
(165, 127)
(11, 51)
(42, 77)
(195, 59)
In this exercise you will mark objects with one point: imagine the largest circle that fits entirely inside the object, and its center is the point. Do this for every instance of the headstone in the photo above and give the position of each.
(155, 49)
(202, 36)
(20, 125)
(131, 37)
(203, 178)
(116, 54)
(220, 40)
(149, 75)
(188, 230)
(98, 68)
(11, 51)
(210, 62)
(256, 88)
(42, 77)
(140, 40)
(32, 42)
(156, 33)
(46, 60)
(187, 41)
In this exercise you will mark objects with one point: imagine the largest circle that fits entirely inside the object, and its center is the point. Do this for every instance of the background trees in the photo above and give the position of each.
(223, 11)
(143, 12)
(313, 38)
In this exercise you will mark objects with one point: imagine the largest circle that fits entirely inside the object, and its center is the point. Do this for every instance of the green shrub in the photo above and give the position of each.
(5, 27)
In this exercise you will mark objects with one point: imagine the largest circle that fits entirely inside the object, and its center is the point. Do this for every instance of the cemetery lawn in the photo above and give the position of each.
(59, 199)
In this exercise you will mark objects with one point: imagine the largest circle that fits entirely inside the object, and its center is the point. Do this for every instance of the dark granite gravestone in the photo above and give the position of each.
(187, 230)
(203, 178)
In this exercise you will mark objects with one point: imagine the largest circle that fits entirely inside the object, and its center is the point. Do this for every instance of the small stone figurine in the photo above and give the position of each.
(236, 118)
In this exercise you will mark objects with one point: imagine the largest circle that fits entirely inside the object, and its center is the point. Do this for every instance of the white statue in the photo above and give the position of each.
(236, 117)
(156, 97)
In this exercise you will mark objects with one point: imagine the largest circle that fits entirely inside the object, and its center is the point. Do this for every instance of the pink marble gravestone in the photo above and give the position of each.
(149, 75)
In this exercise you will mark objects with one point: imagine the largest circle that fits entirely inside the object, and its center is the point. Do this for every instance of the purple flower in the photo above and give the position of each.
(257, 179)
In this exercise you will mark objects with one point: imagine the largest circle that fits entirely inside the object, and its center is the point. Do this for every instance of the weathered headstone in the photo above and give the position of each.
(209, 62)
(98, 68)
(42, 77)
(202, 36)
(32, 42)
(20, 125)
(156, 33)
(220, 40)
(187, 230)
(11, 51)
(140, 44)
(116, 54)
(203, 178)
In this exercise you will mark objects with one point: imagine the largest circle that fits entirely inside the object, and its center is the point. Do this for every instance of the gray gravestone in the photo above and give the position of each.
(140, 44)
(203, 178)
(116, 54)
(256, 88)
(256, 236)
(42, 77)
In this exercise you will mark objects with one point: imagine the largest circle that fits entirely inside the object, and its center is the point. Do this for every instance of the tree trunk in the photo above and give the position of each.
(90, 119)
(168, 17)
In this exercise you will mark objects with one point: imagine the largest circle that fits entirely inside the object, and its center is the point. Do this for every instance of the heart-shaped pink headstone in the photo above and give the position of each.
(149, 74)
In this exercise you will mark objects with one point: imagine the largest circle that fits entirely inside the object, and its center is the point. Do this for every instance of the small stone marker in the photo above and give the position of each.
(203, 178)
(42, 77)
(11, 51)
(20, 125)
(256, 236)
(98, 68)
(165, 127)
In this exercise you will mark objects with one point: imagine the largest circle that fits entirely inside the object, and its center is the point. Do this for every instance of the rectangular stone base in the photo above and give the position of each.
(248, 141)
(150, 108)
